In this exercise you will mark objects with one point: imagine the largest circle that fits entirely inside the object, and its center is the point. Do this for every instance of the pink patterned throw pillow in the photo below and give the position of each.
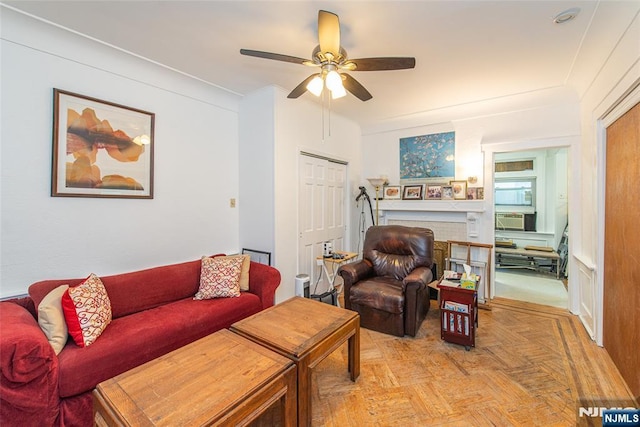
(219, 277)
(87, 310)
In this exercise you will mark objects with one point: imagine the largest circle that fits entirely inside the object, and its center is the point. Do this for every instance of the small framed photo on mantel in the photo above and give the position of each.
(447, 192)
(391, 192)
(459, 189)
(434, 192)
(412, 192)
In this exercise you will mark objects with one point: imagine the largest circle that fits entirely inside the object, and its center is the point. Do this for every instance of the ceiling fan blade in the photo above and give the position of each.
(275, 56)
(301, 88)
(329, 32)
(382, 64)
(353, 86)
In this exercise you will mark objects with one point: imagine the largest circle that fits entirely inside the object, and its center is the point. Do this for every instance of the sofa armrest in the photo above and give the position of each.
(263, 281)
(28, 369)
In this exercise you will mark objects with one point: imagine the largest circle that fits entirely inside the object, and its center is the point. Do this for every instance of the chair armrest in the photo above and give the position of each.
(351, 274)
(263, 281)
(28, 369)
(355, 271)
(419, 276)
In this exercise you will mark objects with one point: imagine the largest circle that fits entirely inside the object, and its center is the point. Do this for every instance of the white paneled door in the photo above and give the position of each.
(322, 213)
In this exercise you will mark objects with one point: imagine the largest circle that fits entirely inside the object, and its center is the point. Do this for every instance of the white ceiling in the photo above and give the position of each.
(466, 51)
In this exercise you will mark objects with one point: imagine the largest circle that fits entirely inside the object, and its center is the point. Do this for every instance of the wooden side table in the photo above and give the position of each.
(335, 263)
(222, 379)
(305, 331)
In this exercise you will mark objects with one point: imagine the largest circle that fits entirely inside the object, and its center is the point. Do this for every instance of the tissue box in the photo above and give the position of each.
(468, 281)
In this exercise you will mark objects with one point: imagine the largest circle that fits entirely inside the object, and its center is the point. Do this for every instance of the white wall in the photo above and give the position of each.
(527, 122)
(297, 127)
(257, 202)
(196, 162)
(608, 91)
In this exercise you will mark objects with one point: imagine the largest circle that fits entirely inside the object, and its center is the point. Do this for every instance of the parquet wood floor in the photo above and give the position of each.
(531, 366)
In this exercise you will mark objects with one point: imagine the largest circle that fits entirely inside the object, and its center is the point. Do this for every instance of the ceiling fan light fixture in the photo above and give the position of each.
(331, 58)
(316, 85)
(334, 81)
(338, 92)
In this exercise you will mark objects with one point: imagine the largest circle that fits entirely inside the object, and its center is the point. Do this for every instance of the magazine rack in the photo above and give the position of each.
(458, 315)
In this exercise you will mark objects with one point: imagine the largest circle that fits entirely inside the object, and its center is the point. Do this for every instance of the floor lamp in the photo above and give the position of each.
(377, 183)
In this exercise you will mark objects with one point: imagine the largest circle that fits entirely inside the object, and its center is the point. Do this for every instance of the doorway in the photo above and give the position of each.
(531, 217)
(322, 213)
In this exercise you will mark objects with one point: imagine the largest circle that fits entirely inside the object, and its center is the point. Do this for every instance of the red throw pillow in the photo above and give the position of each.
(87, 310)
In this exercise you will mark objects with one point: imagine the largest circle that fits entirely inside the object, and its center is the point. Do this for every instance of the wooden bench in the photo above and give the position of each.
(526, 258)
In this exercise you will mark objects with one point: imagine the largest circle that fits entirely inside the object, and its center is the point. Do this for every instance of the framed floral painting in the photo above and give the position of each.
(427, 158)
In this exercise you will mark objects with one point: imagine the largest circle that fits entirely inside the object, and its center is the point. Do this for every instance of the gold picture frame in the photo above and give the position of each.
(459, 189)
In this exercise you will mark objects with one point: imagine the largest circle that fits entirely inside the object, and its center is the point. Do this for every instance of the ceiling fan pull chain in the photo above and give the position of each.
(322, 109)
(329, 116)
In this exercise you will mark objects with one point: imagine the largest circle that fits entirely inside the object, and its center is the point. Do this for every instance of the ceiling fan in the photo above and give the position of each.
(332, 60)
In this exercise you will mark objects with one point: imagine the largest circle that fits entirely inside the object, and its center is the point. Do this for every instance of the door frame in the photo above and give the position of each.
(572, 143)
(617, 110)
(346, 206)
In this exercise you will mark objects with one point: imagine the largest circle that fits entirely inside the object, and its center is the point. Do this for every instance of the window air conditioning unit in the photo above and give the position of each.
(510, 221)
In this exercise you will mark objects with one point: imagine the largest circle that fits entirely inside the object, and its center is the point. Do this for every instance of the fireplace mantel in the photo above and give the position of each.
(431, 205)
(452, 219)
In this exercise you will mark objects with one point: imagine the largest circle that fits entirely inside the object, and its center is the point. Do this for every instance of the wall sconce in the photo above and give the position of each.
(472, 179)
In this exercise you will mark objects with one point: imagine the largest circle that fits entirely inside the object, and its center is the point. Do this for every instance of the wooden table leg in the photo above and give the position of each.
(354, 352)
(304, 392)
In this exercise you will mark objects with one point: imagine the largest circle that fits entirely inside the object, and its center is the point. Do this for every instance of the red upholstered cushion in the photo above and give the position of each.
(133, 340)
(28, 378)
(87, 310)
(153, 287)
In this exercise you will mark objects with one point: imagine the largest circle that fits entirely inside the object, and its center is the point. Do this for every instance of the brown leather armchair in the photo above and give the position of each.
(388, 287)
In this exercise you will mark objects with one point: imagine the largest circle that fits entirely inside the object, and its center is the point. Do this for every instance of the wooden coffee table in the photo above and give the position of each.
(220, 379)
(305, 331)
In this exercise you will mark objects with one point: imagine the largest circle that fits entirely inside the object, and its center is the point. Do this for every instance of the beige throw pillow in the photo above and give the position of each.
(244, 273)
(219, 277)
(51, 318)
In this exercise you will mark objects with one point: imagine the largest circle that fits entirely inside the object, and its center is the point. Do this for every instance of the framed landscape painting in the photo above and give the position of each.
(100, 149)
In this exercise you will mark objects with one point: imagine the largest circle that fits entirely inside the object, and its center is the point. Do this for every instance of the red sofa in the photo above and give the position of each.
(153, 313)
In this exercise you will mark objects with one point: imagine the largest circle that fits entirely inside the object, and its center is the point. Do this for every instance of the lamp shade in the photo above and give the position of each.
(377, 182)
